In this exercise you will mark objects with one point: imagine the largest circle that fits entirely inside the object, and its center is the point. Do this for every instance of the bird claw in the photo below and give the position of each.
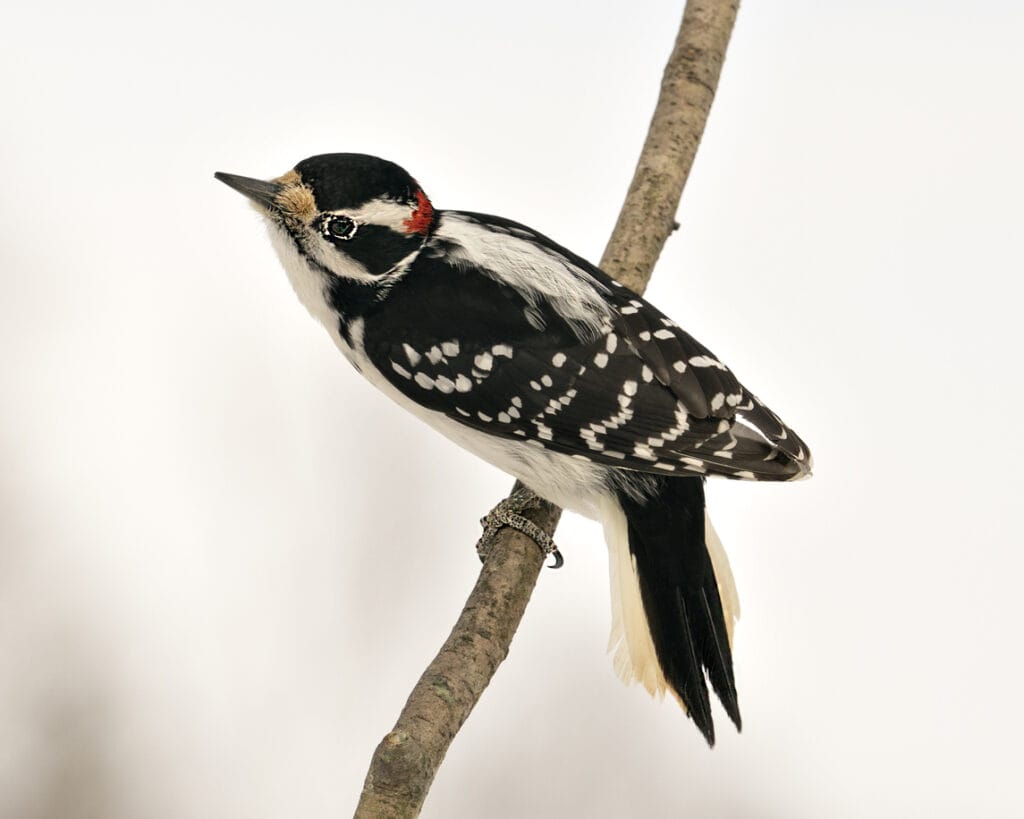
(506, 513)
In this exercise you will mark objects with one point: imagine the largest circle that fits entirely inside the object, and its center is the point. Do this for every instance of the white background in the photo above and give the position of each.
(224, 560)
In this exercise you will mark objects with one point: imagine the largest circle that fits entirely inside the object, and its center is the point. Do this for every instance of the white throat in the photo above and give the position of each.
(310, 285)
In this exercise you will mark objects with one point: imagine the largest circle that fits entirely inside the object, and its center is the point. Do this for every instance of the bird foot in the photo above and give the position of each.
(507, 513)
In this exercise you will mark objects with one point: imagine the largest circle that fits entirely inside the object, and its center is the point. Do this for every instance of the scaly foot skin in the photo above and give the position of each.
(507, 513)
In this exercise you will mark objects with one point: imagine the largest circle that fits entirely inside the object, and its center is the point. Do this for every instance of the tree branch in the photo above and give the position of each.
(405, 762)
(688, 88)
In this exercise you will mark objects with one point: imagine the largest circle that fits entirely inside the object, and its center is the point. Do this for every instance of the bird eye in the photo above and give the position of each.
(339, 228)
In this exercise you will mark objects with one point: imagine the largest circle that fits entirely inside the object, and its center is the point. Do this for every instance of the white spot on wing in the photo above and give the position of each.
(424, 381)
(706, 361)
(411, 354)
(644, 451)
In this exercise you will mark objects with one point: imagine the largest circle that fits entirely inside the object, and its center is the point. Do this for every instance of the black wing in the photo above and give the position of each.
(640, 393)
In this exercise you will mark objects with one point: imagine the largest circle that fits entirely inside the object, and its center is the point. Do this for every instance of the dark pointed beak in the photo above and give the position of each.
(260, 192)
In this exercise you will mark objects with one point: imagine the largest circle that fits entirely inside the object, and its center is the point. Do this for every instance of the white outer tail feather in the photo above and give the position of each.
(630, 643)
(634, 657)
(723, 577)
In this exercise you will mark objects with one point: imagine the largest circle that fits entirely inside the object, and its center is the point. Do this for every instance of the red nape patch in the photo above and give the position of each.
(422, 217)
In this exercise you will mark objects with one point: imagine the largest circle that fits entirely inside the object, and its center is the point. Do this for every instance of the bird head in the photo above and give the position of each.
(349, 216)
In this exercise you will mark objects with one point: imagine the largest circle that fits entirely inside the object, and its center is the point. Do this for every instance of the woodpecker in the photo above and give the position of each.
(537, 361)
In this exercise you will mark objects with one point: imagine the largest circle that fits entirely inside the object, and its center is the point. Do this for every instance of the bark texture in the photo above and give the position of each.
(406, 760)
(688, 87)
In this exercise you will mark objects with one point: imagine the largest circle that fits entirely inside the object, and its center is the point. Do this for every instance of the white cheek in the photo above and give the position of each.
(336, 260)
(309, 284)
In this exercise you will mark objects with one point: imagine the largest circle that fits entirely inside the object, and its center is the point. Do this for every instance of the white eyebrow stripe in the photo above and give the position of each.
(386, 212)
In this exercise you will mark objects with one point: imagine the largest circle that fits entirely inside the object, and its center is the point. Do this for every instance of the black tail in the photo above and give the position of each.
(680, 596)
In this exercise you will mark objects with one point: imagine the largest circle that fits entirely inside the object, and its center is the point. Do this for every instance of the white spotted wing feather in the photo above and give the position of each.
(627, 389)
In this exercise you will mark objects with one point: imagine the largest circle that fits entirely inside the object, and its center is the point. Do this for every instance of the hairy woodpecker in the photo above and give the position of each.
(534, 359)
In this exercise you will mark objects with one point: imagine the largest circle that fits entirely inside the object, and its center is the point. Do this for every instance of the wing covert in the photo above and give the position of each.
(641, 394)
